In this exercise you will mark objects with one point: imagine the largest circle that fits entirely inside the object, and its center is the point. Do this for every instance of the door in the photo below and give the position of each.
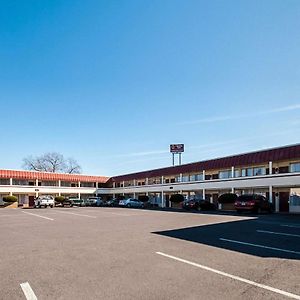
(31, 200)
(284, 201)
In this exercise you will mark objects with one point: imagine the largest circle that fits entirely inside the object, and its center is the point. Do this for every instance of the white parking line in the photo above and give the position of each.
(278, 233)
(260, 246)
(28, 292)
(70, 213)
(263, 286)
(292, 226)
(28, 213)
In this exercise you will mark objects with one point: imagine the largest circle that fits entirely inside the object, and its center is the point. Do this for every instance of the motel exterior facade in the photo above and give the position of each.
(274, 173)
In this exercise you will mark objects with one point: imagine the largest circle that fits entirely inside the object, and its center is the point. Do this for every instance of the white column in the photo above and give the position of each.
(203, 174)
(147, 194)
(134, 195)
(36, 182)
(79, 195)
(203, 193)
(114, 185)
(10, 181)
(270, 194)
(162, 199)
(79, 184)
(59, 183)
(180, 177)
(123, 183)
(232, 172)
(147, 181)
(162, 179)
(232, 190)
(134, 182)
(270, 167)
(211, 199)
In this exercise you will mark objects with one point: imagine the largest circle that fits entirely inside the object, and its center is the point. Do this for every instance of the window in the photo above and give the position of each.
(295, 167)
(199, 177)
(225, 174)
(243, 172)
(185, 178)
(237, 173)
(259, 171)
(193, 177)
(4, 181)
(249, 172)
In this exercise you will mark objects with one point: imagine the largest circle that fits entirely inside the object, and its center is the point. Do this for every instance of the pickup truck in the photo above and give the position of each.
(44, 201)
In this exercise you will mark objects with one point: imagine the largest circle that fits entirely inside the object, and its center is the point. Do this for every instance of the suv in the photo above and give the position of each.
(44, 201)
(94, 201)
(198, 204)
(255, 203)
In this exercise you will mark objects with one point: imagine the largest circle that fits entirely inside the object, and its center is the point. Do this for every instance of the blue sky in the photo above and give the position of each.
(113, 83)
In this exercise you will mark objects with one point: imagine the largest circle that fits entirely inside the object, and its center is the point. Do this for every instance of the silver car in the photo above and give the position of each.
(131, 202)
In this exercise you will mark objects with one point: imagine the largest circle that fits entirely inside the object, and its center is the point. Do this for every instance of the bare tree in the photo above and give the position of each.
(52, 162)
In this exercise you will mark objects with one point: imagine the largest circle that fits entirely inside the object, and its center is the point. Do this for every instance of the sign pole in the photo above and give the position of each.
(173, 155)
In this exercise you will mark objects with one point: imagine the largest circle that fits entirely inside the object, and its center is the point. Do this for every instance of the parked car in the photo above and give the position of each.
(77, 201)
(64, 202)
(112, 202)
(131, 203)
(44, 201)
(198, 204)
(253, 202)
(94, 201)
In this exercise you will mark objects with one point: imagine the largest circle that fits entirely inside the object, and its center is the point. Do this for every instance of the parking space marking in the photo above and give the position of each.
(81, 215)
(259, 246)
(28, 292)
(253, 283)
(278, 233)
(39, 216)
(292, 226)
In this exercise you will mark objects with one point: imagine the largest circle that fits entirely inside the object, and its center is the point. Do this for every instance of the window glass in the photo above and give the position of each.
(295, 167)
(225, 174)
(259, 171)
(185, 178)
(199, 177)
(193, 177)
(249, 172)
(243, 172)
(237, 173)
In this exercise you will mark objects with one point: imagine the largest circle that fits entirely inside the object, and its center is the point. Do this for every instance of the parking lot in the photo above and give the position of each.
(119, 253)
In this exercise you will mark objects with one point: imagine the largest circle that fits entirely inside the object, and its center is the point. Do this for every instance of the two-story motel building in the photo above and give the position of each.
(272, 172)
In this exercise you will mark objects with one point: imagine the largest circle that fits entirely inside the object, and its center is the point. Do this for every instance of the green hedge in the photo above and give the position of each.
(227, 198)
(60, 199)
(177, 198)
(144, 198)
(10, 199)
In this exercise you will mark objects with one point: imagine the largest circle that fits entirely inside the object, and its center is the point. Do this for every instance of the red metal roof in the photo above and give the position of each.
(51, 176)
(252, 158)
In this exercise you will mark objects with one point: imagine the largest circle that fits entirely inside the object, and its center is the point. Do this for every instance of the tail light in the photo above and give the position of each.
(251, 203)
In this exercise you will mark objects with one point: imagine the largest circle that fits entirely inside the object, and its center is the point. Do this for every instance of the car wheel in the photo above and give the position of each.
(259, 210)
(128, 205)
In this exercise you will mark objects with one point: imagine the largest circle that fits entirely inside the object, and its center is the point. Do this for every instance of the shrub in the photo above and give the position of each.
(177, 198)
(227, 198)
(144, 198)
(10, 199)
(60, 199)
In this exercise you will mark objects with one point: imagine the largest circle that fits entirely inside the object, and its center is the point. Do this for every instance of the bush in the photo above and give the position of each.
(227, 198)
(10, 199)
(177, 198)
(60, 199)
(144, 198)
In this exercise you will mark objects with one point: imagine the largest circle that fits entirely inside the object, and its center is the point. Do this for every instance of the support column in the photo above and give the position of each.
(134, 182)
(203, 174)
(162, 199)
(232, 172)
(114, 185)
(79, 195)
(270, 167)
(180, 177)
(123, 183)
(59, 185)
(270, 194)
(232, 190)
(162, 179)
(79, 184)
(147, 181)
(10, 181)
(36, 182)
(114, 195)
(203, 193)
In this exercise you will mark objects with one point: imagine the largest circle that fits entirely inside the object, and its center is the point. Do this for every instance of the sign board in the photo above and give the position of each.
(177, 148)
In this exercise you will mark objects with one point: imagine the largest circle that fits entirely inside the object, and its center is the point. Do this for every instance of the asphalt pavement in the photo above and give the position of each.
(119, 253)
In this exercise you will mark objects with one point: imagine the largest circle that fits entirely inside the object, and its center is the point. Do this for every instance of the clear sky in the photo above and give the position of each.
(113, 83)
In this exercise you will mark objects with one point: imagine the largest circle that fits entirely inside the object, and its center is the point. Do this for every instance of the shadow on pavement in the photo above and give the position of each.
(246, 236)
